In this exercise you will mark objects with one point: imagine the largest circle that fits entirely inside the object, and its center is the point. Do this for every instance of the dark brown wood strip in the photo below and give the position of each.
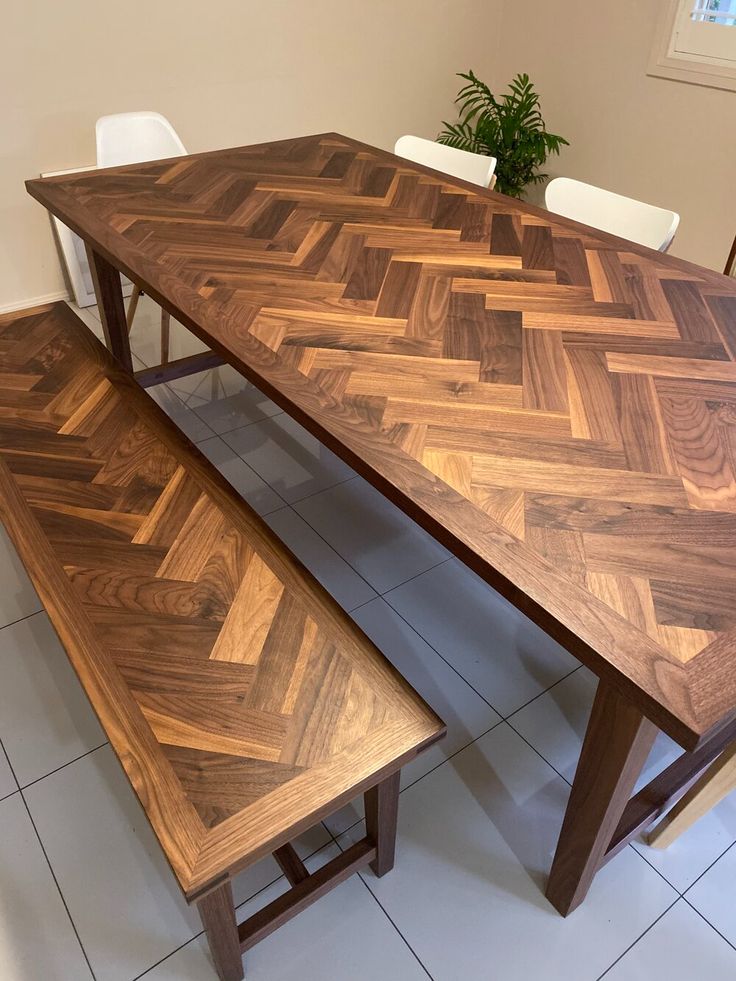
(690, 312)
(367, 278)
(544, 377)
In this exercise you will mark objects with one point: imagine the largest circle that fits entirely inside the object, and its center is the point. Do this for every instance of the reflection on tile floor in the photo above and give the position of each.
(84, 889)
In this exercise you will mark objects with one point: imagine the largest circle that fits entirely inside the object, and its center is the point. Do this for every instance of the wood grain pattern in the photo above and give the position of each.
(225, 676)
(473, 357)
(616, 746)
(217, 912)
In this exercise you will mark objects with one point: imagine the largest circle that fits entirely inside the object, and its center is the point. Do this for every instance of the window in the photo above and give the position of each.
(714, 12)
(696, 42)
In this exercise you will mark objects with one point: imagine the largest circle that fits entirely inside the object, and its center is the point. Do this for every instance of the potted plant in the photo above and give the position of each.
(509, 128)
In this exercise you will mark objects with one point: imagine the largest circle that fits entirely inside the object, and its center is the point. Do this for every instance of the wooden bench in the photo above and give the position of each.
(243, 704)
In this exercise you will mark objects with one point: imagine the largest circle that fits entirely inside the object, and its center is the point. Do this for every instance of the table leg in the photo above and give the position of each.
(616, 746)
(381, 817)
(109, 293)
(217, 912)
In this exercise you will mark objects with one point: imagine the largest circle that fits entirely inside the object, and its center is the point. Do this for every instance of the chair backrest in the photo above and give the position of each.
(134, 137)
(473, 167)
(625, 217)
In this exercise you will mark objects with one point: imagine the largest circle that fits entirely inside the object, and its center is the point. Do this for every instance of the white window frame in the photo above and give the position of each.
(666, 62)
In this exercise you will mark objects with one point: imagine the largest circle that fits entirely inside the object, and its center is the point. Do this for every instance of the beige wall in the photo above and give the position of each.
(230, 72)
(667, 142)
(226, 72)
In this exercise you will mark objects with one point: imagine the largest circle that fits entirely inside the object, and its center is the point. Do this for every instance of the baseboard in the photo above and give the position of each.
(33, 301)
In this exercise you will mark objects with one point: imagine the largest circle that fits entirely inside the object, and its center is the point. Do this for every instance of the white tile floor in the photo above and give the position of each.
(84, 889)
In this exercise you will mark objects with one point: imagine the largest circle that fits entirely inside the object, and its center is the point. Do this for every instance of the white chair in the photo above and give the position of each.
(472, 167)
(130, 138)
(614, 213)
(135, 137)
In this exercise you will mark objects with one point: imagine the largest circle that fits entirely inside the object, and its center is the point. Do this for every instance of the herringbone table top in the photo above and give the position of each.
(558, 406)
(242, 702)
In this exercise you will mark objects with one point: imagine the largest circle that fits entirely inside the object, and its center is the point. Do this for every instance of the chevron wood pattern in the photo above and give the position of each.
(241, 701)
(557, 405)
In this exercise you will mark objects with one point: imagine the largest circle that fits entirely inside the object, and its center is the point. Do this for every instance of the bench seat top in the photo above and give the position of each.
(242, 702)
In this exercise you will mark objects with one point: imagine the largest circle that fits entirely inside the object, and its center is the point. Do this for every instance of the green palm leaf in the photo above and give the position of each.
(510, 128)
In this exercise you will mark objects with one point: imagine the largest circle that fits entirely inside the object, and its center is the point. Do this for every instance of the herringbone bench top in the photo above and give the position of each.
(556, 405)
(242, 702)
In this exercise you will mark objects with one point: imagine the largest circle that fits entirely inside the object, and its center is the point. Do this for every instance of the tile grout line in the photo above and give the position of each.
(324, 540)
(397, 585)
(21, 619)
(12, 773)
(411, 626)
(696, 881)
(340, 483)
(441, 656)
(434, 768)
(545, 692)
(705, 918)
(501, 716)
(393, 924)
(375, 898)
(322, 490)
(461, 749)
(641, 935)
(63, 766)
(538, 752)
(446, 759)
(51, 868)
(261, 514)
(56, 883)
(681, 892)
(243, 425)
(200, 933)
(184, 405)
(630, 844)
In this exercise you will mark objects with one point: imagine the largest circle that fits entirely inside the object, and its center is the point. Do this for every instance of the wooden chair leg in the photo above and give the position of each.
(381, 818)
(716, 783)
(614, 751)
(730, 267)
(165, 324)
(132, 306)
(217, 912)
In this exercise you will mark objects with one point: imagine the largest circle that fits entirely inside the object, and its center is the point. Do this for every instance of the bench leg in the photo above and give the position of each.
(217, 912)
(616, 746)
(381, 816)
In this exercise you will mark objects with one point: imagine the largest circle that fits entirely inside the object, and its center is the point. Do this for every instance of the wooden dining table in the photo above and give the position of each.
(555, 405)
